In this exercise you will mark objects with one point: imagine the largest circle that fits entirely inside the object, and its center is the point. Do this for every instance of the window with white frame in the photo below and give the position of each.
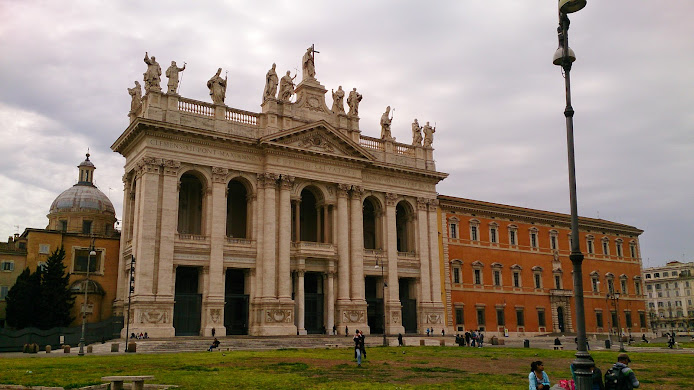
(453, 227)
(3, 292)
(7, 265)
(595, 282)
(623, 284)
(477, 276)
(493, 233)
(516, 276)
(618, 246)
(554, 239)
(557, 280)
(496, 274)
(605, 246)
(474, 230)
(610, 283)
(457, 271)
(82, 259)
(44, 249)
(589, 244)
(512, 235)
(632, 249)
(537, 277)
(533, 238)
(571, 243)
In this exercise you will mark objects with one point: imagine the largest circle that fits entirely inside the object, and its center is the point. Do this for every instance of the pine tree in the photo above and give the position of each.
(23, 300)
(56, 299)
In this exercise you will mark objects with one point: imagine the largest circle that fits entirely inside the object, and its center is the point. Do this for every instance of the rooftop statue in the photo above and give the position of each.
(152, 74)
(416, 133)
(270, 83)
(309, 64)
(386, 119)
(338, 101)
(136, 95)
(353, 102)
(172, 74)
(218, 87)
(428, 135)
(286, 87)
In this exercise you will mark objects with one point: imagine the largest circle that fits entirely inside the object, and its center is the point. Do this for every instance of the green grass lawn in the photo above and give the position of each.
(385, 368)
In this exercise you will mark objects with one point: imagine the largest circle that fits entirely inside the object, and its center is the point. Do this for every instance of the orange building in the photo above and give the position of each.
(507, 269)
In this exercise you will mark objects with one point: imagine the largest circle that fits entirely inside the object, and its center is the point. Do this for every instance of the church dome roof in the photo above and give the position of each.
(82, 197)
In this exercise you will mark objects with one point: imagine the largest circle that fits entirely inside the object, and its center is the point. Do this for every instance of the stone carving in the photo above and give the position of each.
(353, 316)
(308, 63)
(278, 315)
(267, 180)
(358, 192)
(286, 87)
(218, 87)
(343, 189)
(286, 182)
(152, 74)
(215, 315)
(315, 141)
(428, 135)
(395, 317)
(386, 119)
(219, 174)
(391, 198)
(172, 73)
(353, 102)
(416, 133)
(338, 101)
(171, 167)
(422, 203)
(136, 97)
(433, 204)
(433, 318)
(154, 316)
(271, 81)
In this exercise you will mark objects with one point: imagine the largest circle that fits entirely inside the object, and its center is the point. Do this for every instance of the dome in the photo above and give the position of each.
(82, 197)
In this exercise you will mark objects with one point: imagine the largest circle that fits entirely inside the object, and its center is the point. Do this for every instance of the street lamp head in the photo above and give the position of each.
(92, 253)
(570, 6)
(558, 58)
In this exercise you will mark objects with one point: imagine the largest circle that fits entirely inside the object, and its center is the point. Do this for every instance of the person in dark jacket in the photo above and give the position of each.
(623, 365)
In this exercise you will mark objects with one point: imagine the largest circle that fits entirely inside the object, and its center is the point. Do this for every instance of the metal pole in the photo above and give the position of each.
(84, 304)
(582, 365)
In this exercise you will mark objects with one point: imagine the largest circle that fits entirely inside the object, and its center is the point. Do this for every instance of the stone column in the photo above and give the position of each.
(169, 225)
(214, 301)
(392, 298)
(258, 228)
(320, 235)
(297, 220)
(331, 301)
(145, 238)
(423, 252)
(327, 226)
(357, 244)
(301, 302)
(269, 241)
(343, 244)
(285, 233)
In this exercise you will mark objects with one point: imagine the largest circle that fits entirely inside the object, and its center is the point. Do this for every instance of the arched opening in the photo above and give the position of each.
(372, 221)
(237, 210)
(190, 205)
(403, 225)
(309, 217)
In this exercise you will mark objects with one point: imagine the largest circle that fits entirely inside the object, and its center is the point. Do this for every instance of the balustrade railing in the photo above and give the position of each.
(310, 244)
(240, 116)
(239, 241)
(195, 107)
(407, 254)
(191, 237)
(371, 143)
(407, 150)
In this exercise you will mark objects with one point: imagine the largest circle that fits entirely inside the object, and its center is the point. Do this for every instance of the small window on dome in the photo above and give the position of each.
(86, 227)
(63, 226)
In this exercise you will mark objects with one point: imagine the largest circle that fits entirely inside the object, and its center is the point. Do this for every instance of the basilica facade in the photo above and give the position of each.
(279, 222)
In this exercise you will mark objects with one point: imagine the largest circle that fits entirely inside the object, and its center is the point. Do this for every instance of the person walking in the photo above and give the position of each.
(481, 340)
(467, 338)
(400, 344)
(620, 376)
(362, 344)
(538, 379)
(357, 347)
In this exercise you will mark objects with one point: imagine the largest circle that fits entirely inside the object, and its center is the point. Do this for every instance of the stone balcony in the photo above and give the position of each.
(561, 293)
(306, 249)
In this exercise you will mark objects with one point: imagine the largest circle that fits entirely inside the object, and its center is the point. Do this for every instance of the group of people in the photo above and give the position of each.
(139, 336)
(430, 332)
(470, 339)
(619, 376)
(359, 346)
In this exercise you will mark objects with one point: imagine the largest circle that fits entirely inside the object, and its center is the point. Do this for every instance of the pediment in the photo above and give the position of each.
(319, 137)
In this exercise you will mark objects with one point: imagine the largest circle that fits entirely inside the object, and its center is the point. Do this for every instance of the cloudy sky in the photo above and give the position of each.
(480, 70)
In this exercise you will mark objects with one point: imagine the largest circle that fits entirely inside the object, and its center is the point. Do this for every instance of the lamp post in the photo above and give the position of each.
(564, 57)
(92, 252)
(131, 289)
(384, 284)
(615, 302)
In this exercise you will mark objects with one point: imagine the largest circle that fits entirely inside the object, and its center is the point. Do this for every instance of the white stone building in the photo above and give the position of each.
(280, 222)
(669, 296)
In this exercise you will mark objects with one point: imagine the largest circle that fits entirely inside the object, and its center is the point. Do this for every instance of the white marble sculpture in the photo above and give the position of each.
(286, 87)
(338, 101)
(353, 102)
(308, 64)
(386, 119)
(136, 97)
(152, 74)
(218, 87)
(428, 135)
(172, 73)
(416, 133)
(270, 84)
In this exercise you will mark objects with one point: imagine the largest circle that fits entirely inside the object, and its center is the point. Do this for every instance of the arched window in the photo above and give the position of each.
(404, 221)
(237, 210)
(190, 205)
(309, 216)
(372, 223)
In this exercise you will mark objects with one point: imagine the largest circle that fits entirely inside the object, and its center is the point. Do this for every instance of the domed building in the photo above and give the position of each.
(83, 208)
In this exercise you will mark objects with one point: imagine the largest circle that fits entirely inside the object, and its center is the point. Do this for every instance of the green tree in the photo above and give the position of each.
(23, 300)
(56, 299)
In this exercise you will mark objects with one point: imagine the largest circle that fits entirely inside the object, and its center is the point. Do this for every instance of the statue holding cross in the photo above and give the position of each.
(308, 63)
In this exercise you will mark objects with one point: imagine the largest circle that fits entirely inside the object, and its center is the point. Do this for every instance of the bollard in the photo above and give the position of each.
(66, 349)
(607, 344)
(132, 347)
(421, 343)
(114, 347)
(526, 343)
(442, 343)
(48, 348)
(90, 349)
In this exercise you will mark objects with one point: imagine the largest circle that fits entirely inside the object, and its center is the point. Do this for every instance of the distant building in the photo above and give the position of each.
(80, 219)
(669, 294)
(507, 268)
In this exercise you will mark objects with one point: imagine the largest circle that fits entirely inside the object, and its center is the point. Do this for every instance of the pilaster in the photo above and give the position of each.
(423, 251)
(285, 232)
(393, 305)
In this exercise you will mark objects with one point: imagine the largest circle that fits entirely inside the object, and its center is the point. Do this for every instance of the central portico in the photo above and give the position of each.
(274, 223)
